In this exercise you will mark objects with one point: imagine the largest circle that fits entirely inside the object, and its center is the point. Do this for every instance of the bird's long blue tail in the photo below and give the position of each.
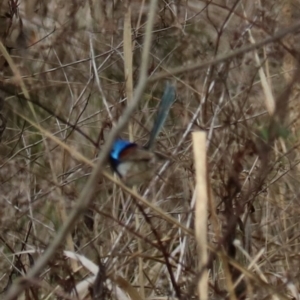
(166, 102)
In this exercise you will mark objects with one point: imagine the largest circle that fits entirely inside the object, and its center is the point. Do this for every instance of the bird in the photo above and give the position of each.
(137, 164)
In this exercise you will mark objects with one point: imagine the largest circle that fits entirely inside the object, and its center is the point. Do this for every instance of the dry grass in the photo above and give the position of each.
(70, 69)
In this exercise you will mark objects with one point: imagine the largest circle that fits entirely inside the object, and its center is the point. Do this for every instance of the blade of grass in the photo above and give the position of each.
(18, 78)
(199, 149)
(269, 98)
(127, 45)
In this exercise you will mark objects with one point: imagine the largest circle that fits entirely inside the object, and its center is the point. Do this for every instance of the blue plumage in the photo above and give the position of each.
(118, 146)
(166, 102)
(135, 164)
(115, 157)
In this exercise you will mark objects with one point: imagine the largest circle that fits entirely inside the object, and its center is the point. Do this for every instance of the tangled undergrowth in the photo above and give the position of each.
(69, 70)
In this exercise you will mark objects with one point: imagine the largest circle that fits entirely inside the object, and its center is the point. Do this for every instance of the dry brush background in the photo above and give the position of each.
(67, 76)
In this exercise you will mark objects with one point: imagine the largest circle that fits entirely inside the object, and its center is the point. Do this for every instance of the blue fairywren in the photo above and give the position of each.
(136, 164)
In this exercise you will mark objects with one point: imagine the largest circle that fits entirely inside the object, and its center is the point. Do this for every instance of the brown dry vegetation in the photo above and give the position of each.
(63, 88)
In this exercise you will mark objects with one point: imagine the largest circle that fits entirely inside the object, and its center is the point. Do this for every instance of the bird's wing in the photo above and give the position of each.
(136, 154)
